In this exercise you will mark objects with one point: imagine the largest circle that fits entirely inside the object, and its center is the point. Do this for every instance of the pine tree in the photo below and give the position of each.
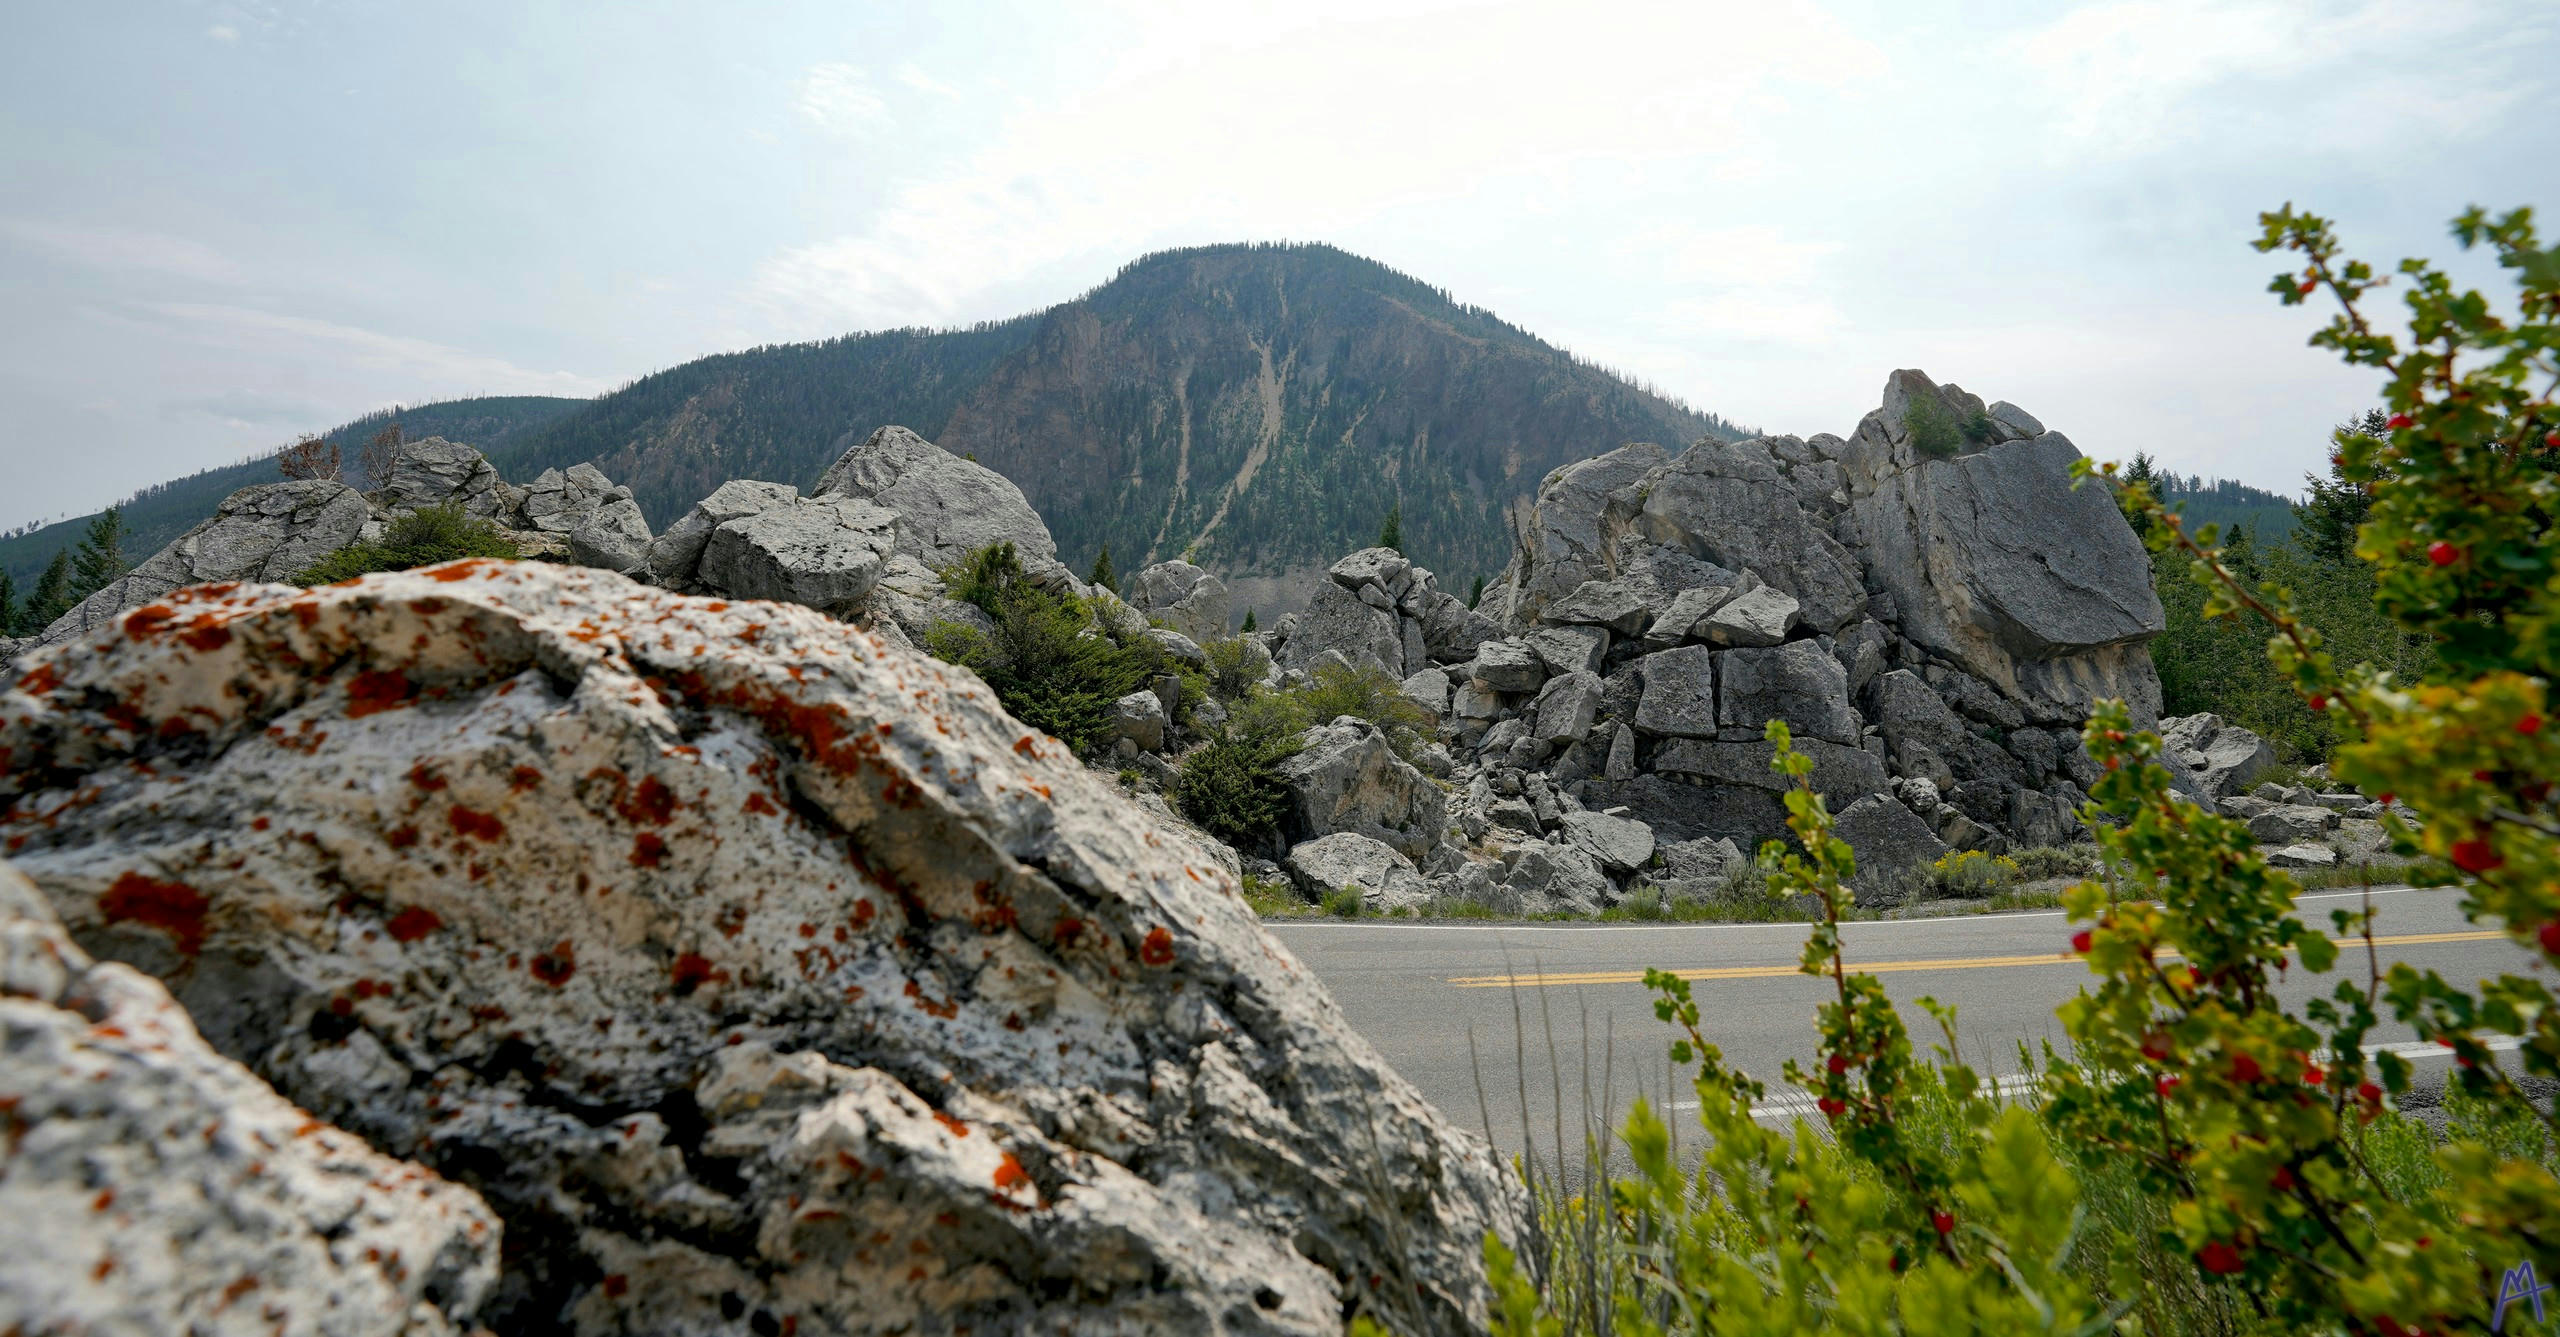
(1391, 534)
(2326, 523)
(1476, 595)
(51, 597)
(1103, 575)
(8, 604)
(99, 557)
(1248, 620)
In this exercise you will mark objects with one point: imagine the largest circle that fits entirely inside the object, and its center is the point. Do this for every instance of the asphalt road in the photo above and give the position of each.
(1554, 1009)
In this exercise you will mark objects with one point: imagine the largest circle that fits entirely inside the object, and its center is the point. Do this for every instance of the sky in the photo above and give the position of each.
(223, 224)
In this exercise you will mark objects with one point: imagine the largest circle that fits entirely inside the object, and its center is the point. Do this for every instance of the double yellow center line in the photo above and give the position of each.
(1543, 980)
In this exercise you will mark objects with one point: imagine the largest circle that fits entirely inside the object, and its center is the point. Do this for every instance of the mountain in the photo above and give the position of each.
(1259, 407)
(2268, 516)
(163, 511)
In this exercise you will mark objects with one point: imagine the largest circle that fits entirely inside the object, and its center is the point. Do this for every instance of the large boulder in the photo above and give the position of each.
(1840, 773)
(2212, 759)
(676, 555)
(1797, 682)
(760, 974)
(1726, 503)
(1344, 777)
(1679, 693)
(1330, 864)
(825, 553)
(1336, 621)
(558, 501)
(432, 471)
(1619, 844)
(1563, 544)
(947, 507)
(613, 537)
(152, 1185)
(1887, 840)
(271, 531)
(1997, 562)
(1183, 597)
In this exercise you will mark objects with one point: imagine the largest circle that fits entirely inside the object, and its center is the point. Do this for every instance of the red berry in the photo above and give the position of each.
(2155, 1047)
(2319, 701)
(2080, 941)
(2369, 1093)
(2219, 1258)
(2549, 937)
(2386, 798)
(1831, 1109)
(2244, 1069)
(2476, 856)
(2552, 440)
(2398, 421)
(2529, 725)
(2442, 553)
(2282, 1180)
(2314, 1075)
(1836, 1063)
(1944, 1221)
(2164, 1086)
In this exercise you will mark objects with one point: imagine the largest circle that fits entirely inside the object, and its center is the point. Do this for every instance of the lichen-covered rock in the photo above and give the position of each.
(272, 531)
(1330, 864)
(151, 1185)
(758, 973)
(1183, 597)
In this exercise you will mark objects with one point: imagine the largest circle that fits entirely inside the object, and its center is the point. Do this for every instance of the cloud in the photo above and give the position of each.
(432, 368)
(223, 32)
(922, 82)
(840, 100)
(122, 250)
(243, 409)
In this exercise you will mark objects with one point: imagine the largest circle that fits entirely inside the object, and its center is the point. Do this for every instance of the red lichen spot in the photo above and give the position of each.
(259, 824)
(1010, 1174)
(106, 1198)
(205, 635)
(1157, 950)
(413, 923)
(400, 837)
(647, 850)
(651, 803)
(43, 680)
(342, 1006)
(808, 930)
(235, 1290)
(453, 571)
(306, 612)
(172, 907)
(425, 779)
(946, 1011)
(1028, 745)
(1068, 930)
(148, 621)
(1013, 1021)
(760, 805)
(958, 1129)
(426, 607)
(862, 913)
(554, 967)
(476, 824)
(693, 970)
(105, 1266)
(525, 777)
(615, 1284)
(378, 690)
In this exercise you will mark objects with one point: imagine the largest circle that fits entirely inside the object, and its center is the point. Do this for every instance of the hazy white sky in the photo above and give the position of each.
(224, 223)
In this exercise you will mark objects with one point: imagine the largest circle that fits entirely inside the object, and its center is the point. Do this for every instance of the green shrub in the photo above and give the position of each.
(2038, 863)
(1051, 661)
(421, 538)
(1972, 874)
(1343, 904)
(1231, 666)
(1365, 693)
(1934, 433)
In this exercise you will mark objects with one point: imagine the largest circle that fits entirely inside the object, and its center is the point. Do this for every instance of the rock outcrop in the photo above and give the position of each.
(1182, 597)
(270, 532)
(757, 972)
(948, 507)
(151, 1185)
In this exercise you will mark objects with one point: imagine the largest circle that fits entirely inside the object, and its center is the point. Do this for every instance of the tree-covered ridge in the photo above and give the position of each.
(162, 511)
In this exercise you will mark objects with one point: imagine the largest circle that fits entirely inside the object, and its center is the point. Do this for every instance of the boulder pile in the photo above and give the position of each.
(756, 972)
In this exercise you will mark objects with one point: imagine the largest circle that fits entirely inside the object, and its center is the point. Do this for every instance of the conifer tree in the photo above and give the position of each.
(51, 597)
(99, 557)
(1248, 620)
(1391, 534)
(8, 604)
(1103, 575)
(1476, 596)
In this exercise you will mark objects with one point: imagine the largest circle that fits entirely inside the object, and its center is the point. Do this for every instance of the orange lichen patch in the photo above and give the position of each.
(946, 1011)
(1068, 930)
(45, 678)
(413, 923)
(759, 805)
(650, 803)
(426, 607)
(1010, 1175)
(958, 1129)
(461, 570)
(1028, 745)
(525, 777)
(692, 970)
(1157, 950)
(862, 914)
(378, 690)
(476, 824)
(425, 779)
(205, 634)
(400, 837)
(647, 850)
(306, 612)
(554, 967)
(172, 907)
(148, 621)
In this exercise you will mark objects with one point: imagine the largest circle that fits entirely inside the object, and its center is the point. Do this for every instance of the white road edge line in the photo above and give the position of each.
(1796, 1104)
(1798, 926)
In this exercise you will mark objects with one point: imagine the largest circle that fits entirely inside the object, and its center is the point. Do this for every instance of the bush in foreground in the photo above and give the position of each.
(2205, 1158)
(420, 538)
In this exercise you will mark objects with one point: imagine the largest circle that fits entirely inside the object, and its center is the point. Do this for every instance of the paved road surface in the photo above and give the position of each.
(1417, 991)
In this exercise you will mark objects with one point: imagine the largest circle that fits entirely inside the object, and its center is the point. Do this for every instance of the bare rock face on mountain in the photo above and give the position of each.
(948, 507)
(269, 532)
(1183, 597)
(759, 974)
(152, 1185)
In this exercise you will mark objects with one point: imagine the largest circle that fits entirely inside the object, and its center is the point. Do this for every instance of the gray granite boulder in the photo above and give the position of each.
(1547, 878)
(1567, 706)
(1756, 617)
(676, 555)
(1619, 844)
(1344, 777)
(1336, 621)
(1726, 504)
(1509, 666)
(1571, 649)
(1138, 717)
(1888, 841)
(613, 537)
(559, 500)
(1183, 597)
(2304, 855)
(2214, 759)
(269, 532)
(1679, 693)
(2291, 824)
(1797, 682)
(1329, 864)
(826, 553)
(435, 472)
(1615, 605)
(1451, 631)
(947, 507)
(1840, 773)
(1564, 544)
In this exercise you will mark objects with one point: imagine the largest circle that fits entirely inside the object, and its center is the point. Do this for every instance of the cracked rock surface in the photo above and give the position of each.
(758, 973)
